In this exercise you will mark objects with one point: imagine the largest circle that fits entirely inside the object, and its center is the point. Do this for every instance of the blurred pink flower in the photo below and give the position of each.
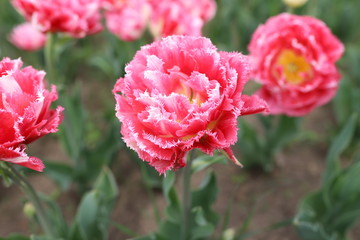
(182, 17)
(294, 58)
(111, 4)
(77, 18)
(127, 19)
(26, 37)
(180, 93)
(25, 113)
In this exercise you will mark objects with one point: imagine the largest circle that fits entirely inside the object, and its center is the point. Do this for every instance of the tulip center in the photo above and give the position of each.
(294, 67)
(183, 87)
(191, 94)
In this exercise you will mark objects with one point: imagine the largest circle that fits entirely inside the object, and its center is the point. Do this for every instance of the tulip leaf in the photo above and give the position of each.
(329, 212)
(15, 237)
(169, 230)
(147, 237)
(61, 173)
(205, 161)
(93, 215)
(44, 238)
(202, 199)
(337, 147)
(202, 228)
(55, 216)
(173, 209)
(285, 130)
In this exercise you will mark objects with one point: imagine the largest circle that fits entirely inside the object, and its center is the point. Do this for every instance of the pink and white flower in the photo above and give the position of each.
(26, 37)
(180, 93)
(127, 19)
(25, 113)
(77, 18)
(180, 17)
(294, 60)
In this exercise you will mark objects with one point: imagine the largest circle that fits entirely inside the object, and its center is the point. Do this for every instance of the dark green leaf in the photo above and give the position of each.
(337, 147)
(15, 237)
(206, 194)
(202, 199)
(286, 129)
(168, 182)
(60, 172)
(147, 237)
(94, 212)
(308, 221)
(106, 185)
(44, 238)
(169, 230)
(55, 216)
(203, 231)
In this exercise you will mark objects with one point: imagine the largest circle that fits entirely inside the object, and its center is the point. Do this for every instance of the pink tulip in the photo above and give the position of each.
(127, 19)
(294, 60)
(182, 17)
(25, 113)
(77, 18)
(180, 93)
(26, 37)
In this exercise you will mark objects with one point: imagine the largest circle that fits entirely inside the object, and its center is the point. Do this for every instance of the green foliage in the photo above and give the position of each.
(329, 212)
(44, 238)
(325, 214)
(88, 158)
(203, 218)
(15, 237)
(348, 95)
(93, 215)
(340, 143)
(278, 131)
(204, 161)
(55, 217)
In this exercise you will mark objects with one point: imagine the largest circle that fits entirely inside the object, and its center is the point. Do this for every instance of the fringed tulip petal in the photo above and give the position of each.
(294, 60)
(25, 113)
(178, 94)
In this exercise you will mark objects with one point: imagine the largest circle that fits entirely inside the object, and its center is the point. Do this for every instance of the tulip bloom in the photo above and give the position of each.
(180, 17)
(180, 93)
(127, 19)
(25, 113)
(294, 60)
(26, 37)
(77, 18)
(295, 3)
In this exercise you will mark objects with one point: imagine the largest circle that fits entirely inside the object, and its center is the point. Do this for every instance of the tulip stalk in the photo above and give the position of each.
(290, 9)
(49, 53)
(186, 197)
(30, 192)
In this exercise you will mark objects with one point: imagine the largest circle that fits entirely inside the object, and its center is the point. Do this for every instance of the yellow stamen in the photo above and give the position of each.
(294, 67)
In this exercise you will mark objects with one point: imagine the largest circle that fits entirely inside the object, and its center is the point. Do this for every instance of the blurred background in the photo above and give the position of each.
(90, 67)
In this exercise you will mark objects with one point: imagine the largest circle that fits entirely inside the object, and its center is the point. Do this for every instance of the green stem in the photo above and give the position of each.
(49, 57)
(33, 197)
(186, 198)
(151, 194)
(290, 10)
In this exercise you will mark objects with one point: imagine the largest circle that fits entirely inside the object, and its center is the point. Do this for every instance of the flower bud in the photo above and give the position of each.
(29, 210)
(229, 234)
(295, 3)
